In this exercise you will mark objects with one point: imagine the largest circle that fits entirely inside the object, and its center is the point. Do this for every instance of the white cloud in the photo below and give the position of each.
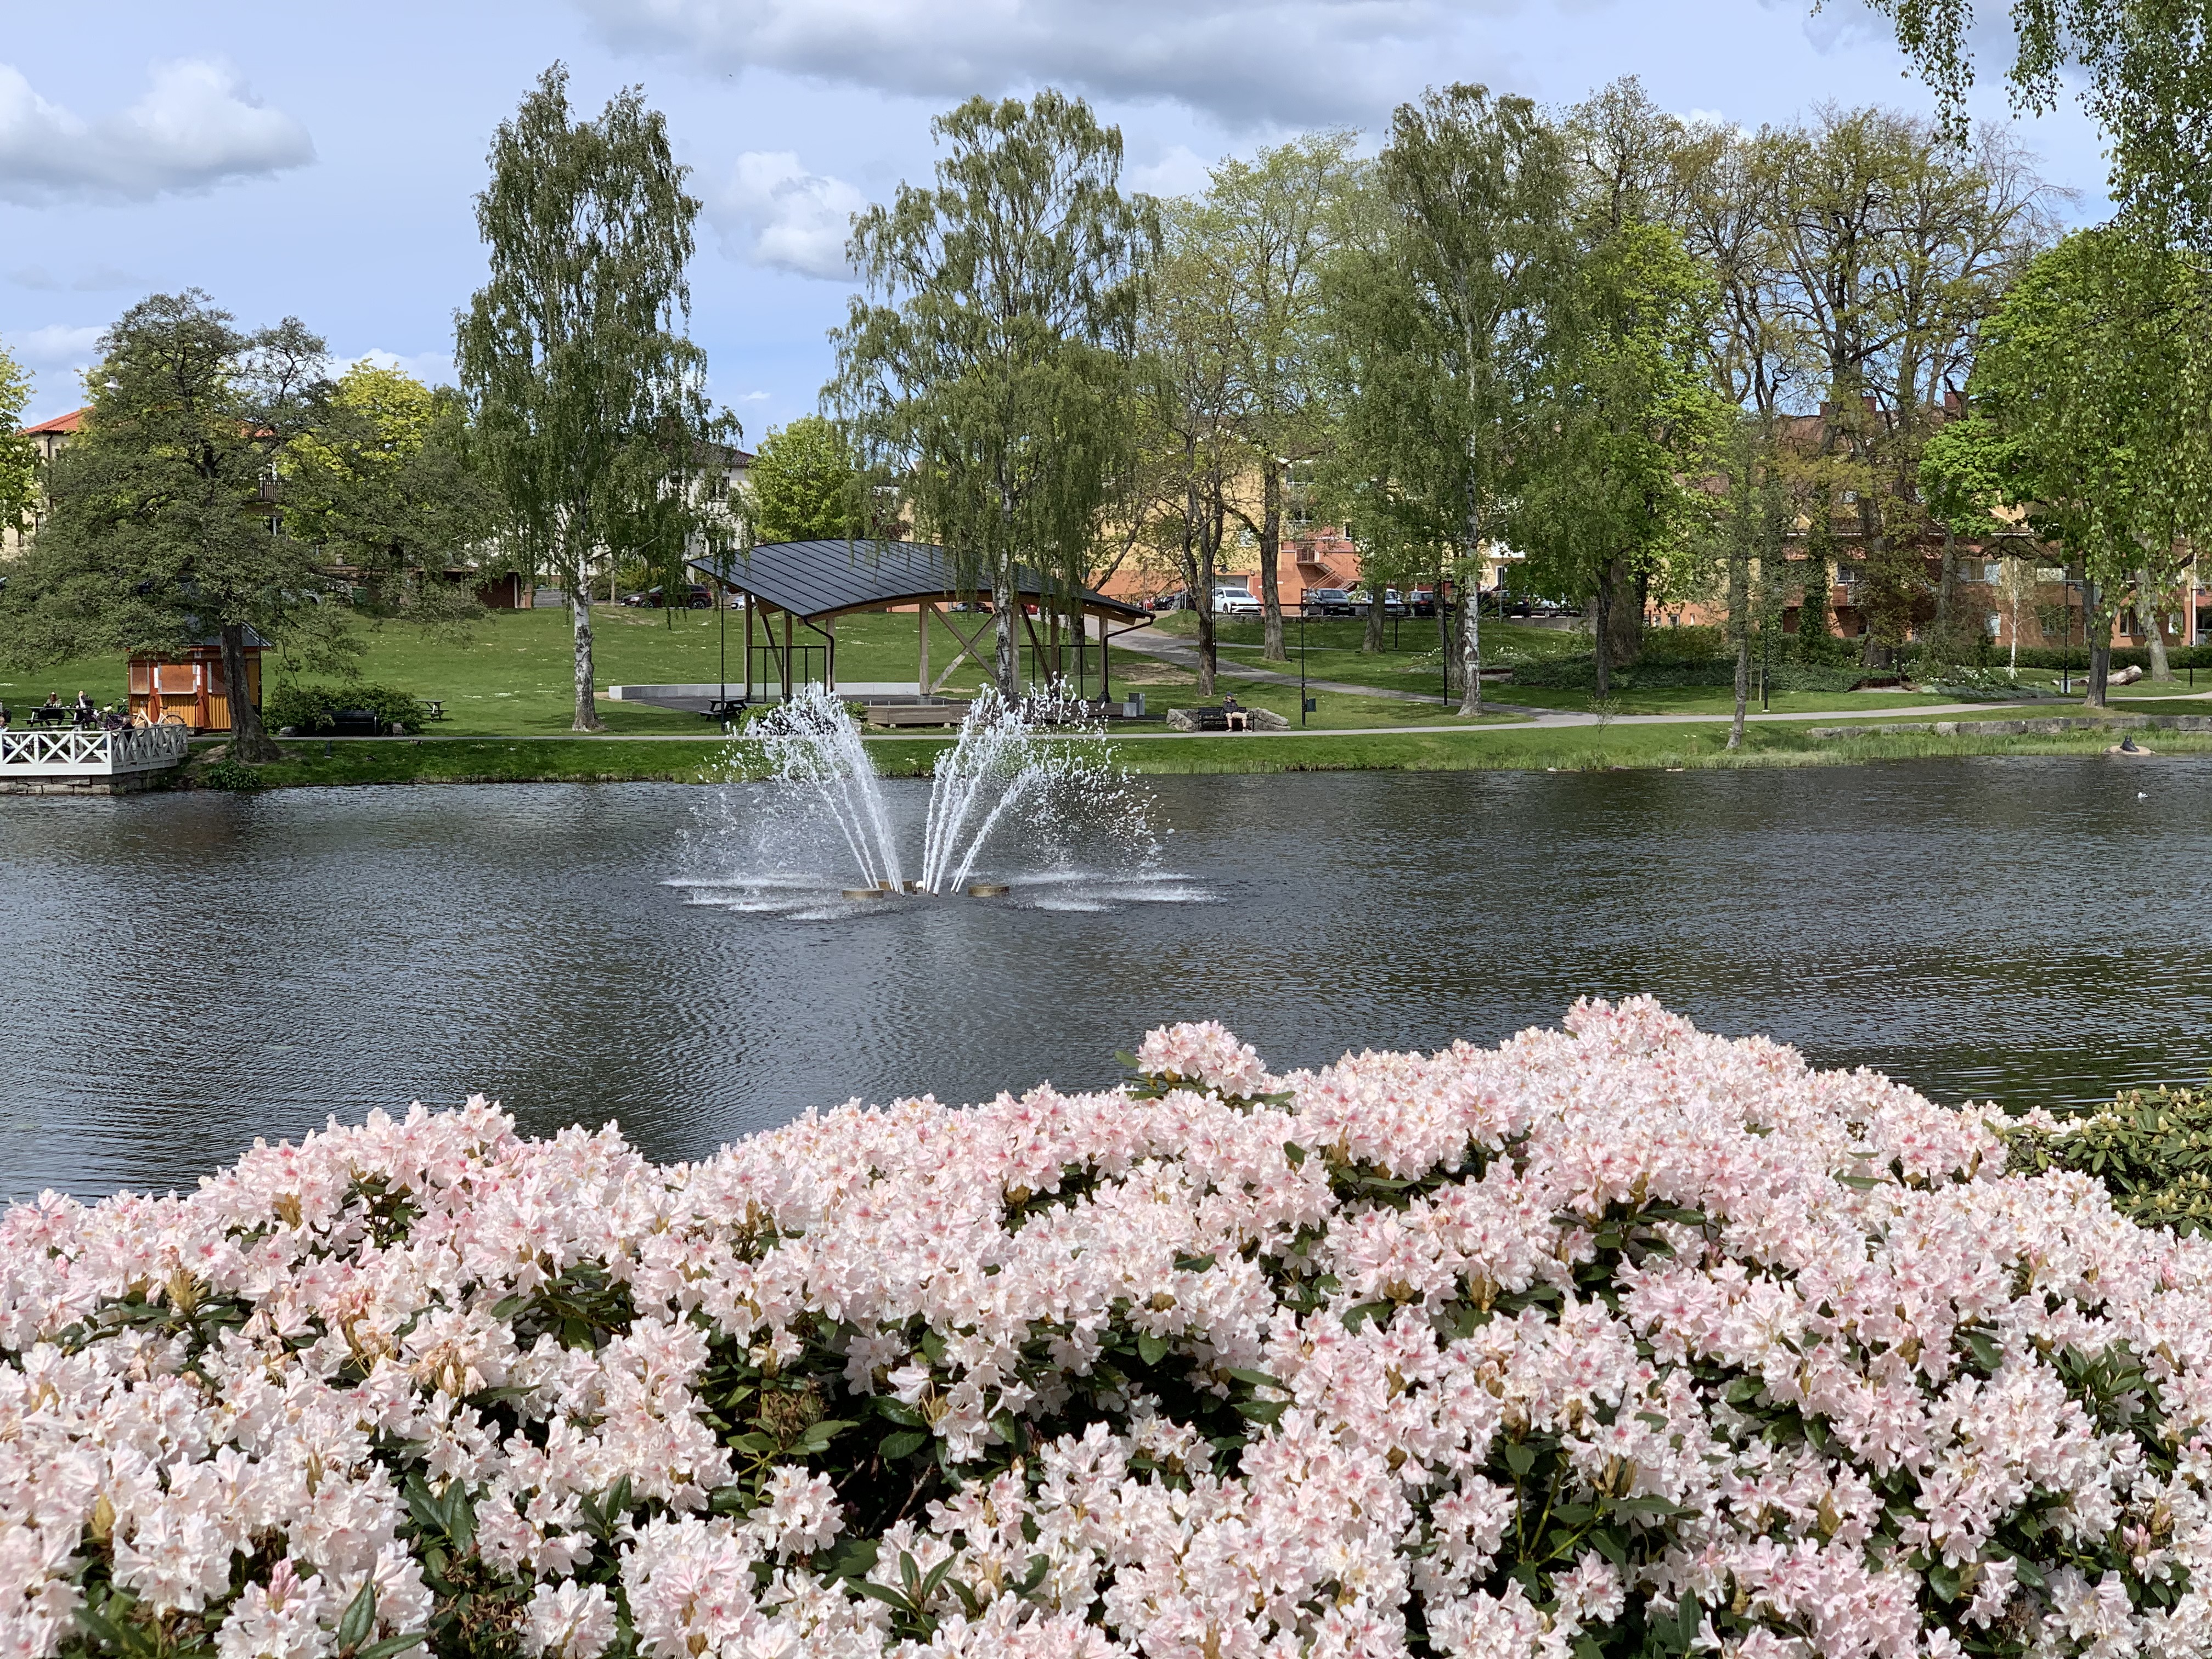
(58, 345)
(772, 211)
(90, 279)
(432, 369)
(57, 356)
(1181, 171)
(1249, 63)
(196, 127)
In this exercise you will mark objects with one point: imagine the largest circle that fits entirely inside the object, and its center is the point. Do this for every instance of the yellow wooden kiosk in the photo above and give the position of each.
(187, 687)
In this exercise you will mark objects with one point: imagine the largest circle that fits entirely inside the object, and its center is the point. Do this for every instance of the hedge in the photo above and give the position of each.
(308, 709)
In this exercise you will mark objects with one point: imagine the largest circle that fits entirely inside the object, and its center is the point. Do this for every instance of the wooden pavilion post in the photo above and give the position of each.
(786, 657)
(749, 650)
(921, 657)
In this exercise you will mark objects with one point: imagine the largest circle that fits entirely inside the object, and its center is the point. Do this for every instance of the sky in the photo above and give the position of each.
(322, 161)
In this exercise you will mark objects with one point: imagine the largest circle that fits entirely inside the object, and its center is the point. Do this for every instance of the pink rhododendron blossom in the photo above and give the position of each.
(1621, 1338)
(1202, 1056)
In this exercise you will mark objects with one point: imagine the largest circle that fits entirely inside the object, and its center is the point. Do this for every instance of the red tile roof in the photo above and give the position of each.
(72, 421)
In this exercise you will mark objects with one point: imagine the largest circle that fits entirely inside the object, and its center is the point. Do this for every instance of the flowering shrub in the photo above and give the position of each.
(2152, 1148)
(1618, 1340)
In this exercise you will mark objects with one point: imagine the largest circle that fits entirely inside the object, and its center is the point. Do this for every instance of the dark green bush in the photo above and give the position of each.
(2151, 1147)
(1579, 673)
(312, 708)
(1694, 644)
(225, 772)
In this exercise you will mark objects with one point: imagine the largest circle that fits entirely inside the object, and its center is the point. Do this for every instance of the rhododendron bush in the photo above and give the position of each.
(1617, 1339)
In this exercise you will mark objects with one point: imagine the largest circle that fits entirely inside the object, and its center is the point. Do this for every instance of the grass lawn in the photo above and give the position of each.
(509, 676)
(1571, 748)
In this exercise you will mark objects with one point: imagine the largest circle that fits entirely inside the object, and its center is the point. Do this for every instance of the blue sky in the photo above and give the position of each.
(321, 160)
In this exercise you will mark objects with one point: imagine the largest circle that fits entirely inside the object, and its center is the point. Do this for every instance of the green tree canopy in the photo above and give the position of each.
(2081, 380)
(19, 457)
(802, 484)
(2144, 71)
(1631, 412)
(389, 492)
(1448, 308)
(589, 398)
(165, 526)
(986, 370)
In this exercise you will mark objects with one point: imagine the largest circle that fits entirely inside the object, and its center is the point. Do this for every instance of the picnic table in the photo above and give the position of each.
(51, 714)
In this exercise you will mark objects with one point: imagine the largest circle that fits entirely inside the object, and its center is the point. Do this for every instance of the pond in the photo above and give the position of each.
(182, 974)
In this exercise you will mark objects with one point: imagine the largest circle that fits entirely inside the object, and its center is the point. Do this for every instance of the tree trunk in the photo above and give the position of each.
(1470, 645)
(1739, 605)
(1947, 602)
(1598, 634)
(1625, 620)
(1272, 649)
(249, 739)
(580, 609)
(2099, 629)
(1006, 606)
(1452, 680)
(1370, 642)
(2147, 609)
(1470, 606)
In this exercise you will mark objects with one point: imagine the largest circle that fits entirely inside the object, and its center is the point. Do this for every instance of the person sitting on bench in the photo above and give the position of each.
(1237, 719)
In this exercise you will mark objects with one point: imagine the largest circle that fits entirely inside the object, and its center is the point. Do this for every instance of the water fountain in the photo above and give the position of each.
(1017, 772)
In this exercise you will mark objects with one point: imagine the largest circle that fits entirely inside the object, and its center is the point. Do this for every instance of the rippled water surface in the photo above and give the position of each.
(181, 974)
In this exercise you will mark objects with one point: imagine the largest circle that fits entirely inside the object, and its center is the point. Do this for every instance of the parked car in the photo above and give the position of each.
(1177, 600)
(1360, 599)
(1326, 602)
(1235, 601)
(1422, 601)
(697, 597)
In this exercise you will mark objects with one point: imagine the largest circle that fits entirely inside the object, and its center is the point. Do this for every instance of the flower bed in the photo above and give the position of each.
(1618, 1340)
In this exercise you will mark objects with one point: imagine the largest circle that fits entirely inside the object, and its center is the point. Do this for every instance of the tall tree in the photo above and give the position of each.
(1630, 412)
(589, 396)
(986, 370)
(1193, 451)
(19, 457)
(1477, 188)
(2144, 71)
(803, 485)
(389, 492)
(2076, 375)
(1276, 217)
(167, 522)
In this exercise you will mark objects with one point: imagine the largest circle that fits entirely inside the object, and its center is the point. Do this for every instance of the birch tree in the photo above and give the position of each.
(589, 398)
(1276, 218)
(1476, 186)
(986, 368)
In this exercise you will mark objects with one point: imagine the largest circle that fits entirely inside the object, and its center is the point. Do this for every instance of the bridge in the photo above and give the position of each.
(89, 762)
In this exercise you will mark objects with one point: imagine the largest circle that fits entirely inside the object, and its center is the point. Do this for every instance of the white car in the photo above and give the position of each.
(1235, 602)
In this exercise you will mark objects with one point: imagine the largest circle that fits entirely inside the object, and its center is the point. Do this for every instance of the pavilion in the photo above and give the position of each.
(810, 584)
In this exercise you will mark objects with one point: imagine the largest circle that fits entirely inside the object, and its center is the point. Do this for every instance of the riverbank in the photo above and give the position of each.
(1622, 745)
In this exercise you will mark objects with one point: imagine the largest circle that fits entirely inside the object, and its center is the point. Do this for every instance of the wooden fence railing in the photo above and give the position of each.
(89, 753)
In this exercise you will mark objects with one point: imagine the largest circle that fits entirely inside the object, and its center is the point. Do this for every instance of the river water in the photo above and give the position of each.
(181, 974)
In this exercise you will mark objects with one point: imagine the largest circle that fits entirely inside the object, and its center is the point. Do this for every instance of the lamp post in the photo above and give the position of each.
(1304, 702)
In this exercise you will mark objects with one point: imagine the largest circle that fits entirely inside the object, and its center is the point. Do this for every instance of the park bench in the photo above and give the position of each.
(355, 723)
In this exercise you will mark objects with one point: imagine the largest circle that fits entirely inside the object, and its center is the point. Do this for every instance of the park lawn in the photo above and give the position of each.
(1562, 749)
(509, 673)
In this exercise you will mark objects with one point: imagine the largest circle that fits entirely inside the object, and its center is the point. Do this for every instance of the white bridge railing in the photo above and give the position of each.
(88, 753)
